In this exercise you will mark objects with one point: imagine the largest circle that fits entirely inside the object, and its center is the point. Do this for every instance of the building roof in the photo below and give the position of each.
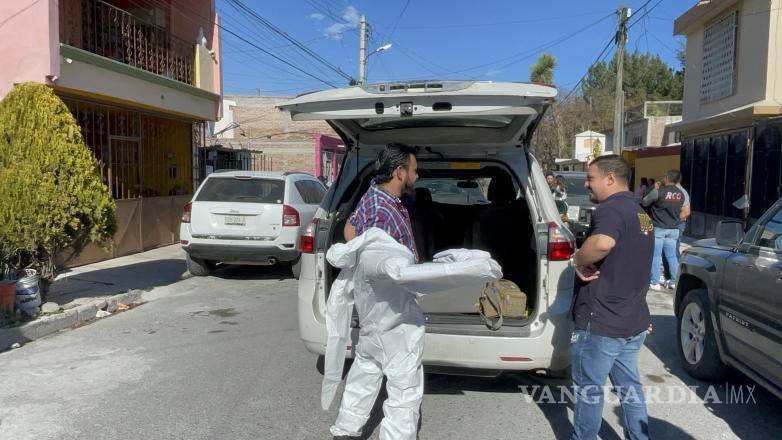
(729, 119)
(702, 12)
(589, 133)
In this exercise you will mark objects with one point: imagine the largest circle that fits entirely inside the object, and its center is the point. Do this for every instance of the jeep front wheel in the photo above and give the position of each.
(698, 350)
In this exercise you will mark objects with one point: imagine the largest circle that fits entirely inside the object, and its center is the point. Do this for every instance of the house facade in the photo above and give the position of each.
(276, 142)
(142, 79)
(731, 126)
(585, 144)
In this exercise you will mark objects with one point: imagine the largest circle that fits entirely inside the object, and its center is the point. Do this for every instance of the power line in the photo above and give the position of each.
(526, 53)
(645, 13)
(294, 41)
(389, 34)
(608, 45)
(269, 38)
(396, 23)
(410, 57)
(325, 11)
(261, 65)
(212, 22)
(499, 23)
(581, 80)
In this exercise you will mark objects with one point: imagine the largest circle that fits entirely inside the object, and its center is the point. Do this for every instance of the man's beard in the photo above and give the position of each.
(409, 189)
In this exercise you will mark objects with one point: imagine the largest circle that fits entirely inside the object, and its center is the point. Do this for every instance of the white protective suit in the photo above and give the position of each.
(380, 277)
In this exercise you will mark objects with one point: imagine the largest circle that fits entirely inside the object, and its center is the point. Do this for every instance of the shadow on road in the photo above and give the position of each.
(276, 272)
(755, 417)
(145, 275)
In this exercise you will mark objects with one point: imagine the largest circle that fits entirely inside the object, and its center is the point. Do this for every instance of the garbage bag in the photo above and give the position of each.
(380, 278)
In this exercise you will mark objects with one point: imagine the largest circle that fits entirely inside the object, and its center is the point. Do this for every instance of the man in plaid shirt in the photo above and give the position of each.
(396, 170)
(391, 335)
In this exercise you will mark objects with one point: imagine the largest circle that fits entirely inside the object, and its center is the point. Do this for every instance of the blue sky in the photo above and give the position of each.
(443, 39)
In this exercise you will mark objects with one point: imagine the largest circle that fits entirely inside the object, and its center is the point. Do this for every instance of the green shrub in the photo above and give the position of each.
(52, 196)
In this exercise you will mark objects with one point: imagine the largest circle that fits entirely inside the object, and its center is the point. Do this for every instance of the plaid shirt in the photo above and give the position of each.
(379, 209)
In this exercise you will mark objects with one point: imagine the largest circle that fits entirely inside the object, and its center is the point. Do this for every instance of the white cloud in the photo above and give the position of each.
(493, 72)
(316, 16)
(351, 15)
(352, 21)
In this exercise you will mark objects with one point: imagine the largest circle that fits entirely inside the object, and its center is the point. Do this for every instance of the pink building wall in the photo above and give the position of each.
(331, 146)
(29, 42)
(30, 36)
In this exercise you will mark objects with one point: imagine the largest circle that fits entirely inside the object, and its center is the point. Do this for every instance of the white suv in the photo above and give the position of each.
(479, 187)
(248, 217)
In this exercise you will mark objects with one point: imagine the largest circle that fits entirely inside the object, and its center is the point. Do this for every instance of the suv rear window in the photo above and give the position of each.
(575, 185)
(242, 190)
(455, 190)
(311, 192)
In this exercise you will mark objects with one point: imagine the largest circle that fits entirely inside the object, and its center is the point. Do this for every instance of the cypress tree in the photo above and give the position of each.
(52, 196)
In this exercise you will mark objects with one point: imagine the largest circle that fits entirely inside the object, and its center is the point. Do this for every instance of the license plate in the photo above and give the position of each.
(234, 220)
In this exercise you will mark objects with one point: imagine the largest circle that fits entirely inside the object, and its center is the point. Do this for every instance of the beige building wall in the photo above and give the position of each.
(656, 129)
(755, 68)
(774, 79)
(289, 144)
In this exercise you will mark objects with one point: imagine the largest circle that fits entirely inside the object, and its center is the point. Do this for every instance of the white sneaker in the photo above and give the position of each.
(670, 284)
(654, 286)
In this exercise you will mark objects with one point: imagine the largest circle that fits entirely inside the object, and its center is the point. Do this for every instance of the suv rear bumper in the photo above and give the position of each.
(547, 347)
(247, 253)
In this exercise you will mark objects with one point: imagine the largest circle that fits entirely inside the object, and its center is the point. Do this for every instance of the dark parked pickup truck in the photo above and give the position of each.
(729, 302)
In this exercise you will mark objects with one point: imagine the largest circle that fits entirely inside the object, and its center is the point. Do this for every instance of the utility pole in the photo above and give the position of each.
(362, 52)
(619, 95)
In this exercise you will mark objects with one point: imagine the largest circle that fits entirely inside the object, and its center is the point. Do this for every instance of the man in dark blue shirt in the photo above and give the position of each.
(609, 306)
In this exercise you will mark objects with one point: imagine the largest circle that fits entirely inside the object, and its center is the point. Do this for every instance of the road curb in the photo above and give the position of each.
(47, 325)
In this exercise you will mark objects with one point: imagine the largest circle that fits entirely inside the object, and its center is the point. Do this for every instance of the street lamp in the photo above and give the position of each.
(363, 67)
(380, 49)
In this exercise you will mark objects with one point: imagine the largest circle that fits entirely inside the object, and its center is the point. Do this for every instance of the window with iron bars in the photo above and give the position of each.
(139, 154)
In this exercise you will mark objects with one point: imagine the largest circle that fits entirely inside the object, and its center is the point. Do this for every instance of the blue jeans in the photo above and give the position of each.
(595, 358)
(665, 240)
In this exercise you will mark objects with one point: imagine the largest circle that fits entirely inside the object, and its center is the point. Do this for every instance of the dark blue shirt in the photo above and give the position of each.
(615, 303)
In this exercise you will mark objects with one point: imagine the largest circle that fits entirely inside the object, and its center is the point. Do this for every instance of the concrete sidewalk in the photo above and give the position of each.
(145, 270)
(97, 290)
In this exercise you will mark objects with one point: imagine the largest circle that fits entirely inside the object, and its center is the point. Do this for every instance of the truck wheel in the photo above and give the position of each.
(698, 350)
(198, 267)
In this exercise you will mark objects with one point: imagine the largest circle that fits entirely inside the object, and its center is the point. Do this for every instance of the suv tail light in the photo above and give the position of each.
(307, 239)
(290, 217)
(561, 244)
(186, 211)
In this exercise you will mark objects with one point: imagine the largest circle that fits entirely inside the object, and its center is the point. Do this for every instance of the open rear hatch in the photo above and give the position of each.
(440, 113)
(452, 119)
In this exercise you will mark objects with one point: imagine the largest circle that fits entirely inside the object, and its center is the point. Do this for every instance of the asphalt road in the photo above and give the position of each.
(220, 358)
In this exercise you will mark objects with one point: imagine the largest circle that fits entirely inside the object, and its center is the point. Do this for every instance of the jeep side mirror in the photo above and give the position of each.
(729, 233)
